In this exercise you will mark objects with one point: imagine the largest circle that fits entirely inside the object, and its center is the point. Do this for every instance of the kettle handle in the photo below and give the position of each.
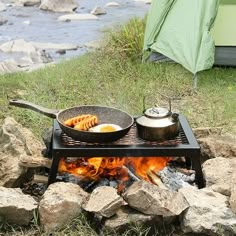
(167, 98)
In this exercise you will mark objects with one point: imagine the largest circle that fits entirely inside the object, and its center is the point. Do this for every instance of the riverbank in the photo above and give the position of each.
(61, 39)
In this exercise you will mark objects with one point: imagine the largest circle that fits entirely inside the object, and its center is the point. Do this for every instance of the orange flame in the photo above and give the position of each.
(95, 168)
(142, 165)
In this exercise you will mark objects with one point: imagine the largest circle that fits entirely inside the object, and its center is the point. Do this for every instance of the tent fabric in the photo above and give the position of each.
(179, 29)
(224, 30)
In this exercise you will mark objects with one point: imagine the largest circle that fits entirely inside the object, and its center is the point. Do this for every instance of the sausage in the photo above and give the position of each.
(87, 123)
(75, 120)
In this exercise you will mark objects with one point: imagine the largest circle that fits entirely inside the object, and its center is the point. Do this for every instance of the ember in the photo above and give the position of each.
(118, 168)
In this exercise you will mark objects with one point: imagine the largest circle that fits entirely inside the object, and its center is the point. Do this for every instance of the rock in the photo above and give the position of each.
(61, 51)
(61, 203)
(126, 216)
(104, 201)
(112, 4)
(2, 8)
(9, 66)
(28, 3)
(203, 132)
(70, 17)
(26, 22)
(16, 142)
(2, 21)
(40, 57)
(217, 146)
(18, 45)
(55, 46)
(218, 174)
(232, 200)
(16, 207)
(58, 5)
(98, 11)
(150, 199)
(208, 213)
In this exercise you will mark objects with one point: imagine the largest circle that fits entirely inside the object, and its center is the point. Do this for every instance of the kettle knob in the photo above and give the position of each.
(175, 117)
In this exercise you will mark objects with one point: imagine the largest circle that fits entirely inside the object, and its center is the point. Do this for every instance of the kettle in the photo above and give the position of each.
(158, 124)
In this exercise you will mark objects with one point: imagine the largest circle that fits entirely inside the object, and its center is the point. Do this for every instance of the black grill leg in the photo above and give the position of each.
(53, 170)
(196, 162)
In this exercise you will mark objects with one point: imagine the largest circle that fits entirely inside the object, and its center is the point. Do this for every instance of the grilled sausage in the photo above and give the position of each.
(87, 123)
(75, 120)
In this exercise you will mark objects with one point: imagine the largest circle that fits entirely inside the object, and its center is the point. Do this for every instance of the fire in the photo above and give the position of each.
(96, 168)
(142, 165)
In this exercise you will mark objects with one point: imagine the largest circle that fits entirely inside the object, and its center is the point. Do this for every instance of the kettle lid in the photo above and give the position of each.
(157, 112)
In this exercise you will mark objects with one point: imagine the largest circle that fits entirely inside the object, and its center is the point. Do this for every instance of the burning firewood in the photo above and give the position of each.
(155, 179)
(132, 175)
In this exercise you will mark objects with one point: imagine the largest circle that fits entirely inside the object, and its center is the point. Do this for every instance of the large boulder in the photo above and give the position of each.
(152, 200)
(60, 204)
(18, 45)
(16, 143)
(9, 66)
(126, 216)
(2, 8)
(70, 17)
(16, 207)
(104, 201)
(208, 213)
(217, 146)
(218, 174)
(27, 2)
(58, 5)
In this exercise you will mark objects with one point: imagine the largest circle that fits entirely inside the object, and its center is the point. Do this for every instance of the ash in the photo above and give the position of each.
(175, 178)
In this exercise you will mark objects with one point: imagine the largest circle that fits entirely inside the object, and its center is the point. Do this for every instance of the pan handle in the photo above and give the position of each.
(52, 113)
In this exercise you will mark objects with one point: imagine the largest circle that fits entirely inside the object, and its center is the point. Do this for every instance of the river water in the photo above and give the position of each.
(33, 24)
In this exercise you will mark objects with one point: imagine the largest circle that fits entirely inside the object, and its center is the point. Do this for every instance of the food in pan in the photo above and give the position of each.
(75, 120)
(87, 123)
(105, 128)
(82, 122)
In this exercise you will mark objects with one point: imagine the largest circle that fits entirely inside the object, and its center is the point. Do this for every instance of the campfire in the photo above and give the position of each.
(123, 170)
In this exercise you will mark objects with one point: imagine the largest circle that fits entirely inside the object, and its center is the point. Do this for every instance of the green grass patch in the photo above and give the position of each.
(98, 79)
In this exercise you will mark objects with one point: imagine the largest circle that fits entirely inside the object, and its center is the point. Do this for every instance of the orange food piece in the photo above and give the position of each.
(87, 123)
(75, 120)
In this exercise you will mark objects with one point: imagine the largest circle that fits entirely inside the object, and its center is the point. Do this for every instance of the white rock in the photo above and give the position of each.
(60, 204)
(98, 11)
(77, 17)
(218, 174)
(18, 45)
(2, 7)
(208, 213)
(16, 207)
(112, 4)
(56, 46)
(9, 66)
(105, 201)
(28, 2)
(16, 142)
(58, 5)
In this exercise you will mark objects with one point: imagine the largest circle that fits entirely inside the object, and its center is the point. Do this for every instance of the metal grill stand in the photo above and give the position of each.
(129, 146)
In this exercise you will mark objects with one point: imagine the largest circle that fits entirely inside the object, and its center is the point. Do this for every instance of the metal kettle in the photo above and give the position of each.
(158, 124)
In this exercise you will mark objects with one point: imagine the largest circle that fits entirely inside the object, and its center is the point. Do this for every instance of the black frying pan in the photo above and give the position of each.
(104, 114)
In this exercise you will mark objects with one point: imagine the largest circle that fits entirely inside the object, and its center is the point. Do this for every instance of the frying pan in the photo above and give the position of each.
(105, 115)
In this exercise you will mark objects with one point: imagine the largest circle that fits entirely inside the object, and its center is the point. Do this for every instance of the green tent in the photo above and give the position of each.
(189, 32)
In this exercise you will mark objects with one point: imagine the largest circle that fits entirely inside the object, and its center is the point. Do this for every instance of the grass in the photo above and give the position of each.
(97, 78)
(115, 76)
